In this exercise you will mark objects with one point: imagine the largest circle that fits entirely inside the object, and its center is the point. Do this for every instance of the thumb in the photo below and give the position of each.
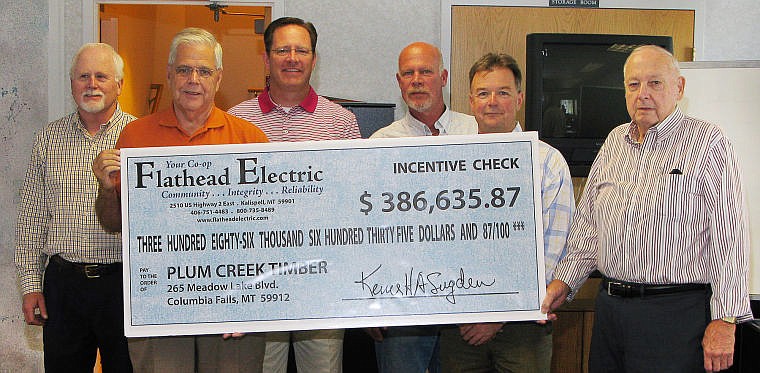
(546, 305)
(43, 308)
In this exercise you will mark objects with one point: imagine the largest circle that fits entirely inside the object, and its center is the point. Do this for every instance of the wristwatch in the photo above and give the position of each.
(730, 319)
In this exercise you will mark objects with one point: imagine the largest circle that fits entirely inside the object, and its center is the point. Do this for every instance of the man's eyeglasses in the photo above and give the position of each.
(187, 71)
(284, 51)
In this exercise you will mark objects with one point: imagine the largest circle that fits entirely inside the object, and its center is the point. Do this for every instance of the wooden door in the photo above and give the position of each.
(476, 30)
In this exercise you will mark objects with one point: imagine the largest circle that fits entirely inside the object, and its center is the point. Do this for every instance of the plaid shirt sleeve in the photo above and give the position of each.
(32, 223)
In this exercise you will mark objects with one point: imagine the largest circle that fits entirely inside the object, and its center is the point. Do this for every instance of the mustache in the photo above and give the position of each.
(413, 91)
(92, 92)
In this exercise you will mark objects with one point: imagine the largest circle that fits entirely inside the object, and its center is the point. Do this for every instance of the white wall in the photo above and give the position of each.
(726, 93)
(358, 46)
(731, 30)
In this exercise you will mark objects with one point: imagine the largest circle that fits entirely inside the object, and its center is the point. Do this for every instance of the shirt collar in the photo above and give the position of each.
(517, 128)
(309, 103)
(660, 131)
(443, 123)
(115, 118)
(167, 118)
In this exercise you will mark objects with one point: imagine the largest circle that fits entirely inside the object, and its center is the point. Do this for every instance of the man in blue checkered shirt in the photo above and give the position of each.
(495, 98)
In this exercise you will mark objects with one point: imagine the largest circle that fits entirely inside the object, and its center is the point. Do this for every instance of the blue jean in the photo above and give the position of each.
(409, 349)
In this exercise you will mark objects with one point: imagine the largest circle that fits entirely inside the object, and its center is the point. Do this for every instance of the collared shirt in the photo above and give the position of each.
(557, 203)
(56, 213)
(668, 210)
(162, 129)
(315, 118)
(449, 123)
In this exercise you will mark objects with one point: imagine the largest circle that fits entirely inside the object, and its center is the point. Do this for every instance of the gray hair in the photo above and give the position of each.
(196, 36)
(118, 62)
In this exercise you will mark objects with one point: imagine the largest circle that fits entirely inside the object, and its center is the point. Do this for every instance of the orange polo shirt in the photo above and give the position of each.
(161, 129)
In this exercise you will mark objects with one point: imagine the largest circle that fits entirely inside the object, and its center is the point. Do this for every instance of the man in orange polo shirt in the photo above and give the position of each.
(194, 72)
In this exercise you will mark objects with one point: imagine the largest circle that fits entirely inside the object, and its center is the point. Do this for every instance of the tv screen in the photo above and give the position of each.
(574, 90)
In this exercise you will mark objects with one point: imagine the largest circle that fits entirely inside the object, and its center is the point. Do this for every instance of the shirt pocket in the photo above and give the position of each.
(682, 198)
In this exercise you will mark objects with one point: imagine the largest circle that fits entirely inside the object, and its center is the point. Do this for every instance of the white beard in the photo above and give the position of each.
(423, 106)
(93, 107)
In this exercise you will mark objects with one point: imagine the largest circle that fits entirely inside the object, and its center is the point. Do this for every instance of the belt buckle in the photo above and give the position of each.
(625, 288)
(90, 270)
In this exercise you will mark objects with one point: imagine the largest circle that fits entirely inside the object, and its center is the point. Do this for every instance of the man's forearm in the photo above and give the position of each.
(108, 209)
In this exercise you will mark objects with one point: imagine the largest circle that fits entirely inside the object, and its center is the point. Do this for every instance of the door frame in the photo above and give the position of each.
(58, 93)
(698, 6)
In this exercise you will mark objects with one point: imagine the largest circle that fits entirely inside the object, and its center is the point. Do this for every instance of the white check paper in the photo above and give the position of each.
(332, 234)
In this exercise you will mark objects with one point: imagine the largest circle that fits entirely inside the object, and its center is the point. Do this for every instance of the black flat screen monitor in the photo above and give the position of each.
(574, 90)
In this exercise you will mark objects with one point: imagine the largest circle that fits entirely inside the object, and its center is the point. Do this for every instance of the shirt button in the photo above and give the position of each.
(284, 132)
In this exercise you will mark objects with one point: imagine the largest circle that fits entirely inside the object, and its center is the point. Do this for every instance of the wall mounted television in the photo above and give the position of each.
(574, 90)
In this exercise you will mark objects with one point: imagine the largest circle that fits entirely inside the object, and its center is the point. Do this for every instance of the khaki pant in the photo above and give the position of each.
(209, 352)
(316, 351)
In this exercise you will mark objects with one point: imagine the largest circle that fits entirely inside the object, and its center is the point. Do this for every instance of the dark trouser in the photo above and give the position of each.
(84, 314)
(660, 333)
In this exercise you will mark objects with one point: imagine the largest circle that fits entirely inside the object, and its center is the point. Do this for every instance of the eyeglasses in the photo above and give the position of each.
(187, 71)
(284, 51)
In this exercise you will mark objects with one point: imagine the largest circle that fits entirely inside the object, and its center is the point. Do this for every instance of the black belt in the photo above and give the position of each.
(631, 289)
(86, 269)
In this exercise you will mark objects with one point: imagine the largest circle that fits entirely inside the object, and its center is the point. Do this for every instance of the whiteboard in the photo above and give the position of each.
(728, 94)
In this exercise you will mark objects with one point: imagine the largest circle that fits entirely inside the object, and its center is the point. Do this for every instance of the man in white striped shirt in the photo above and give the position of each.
(664, 220)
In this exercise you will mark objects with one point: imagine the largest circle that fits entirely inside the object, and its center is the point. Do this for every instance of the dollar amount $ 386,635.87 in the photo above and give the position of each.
(455, 199)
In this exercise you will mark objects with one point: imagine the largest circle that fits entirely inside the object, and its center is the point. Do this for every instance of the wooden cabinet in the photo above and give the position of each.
(572, 331)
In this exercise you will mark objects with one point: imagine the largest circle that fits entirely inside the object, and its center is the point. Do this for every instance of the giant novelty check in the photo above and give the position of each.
(333, 234)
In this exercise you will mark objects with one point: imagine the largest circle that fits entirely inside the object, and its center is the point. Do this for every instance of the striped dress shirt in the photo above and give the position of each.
(316, 118)
(56, 214)
(668, 210)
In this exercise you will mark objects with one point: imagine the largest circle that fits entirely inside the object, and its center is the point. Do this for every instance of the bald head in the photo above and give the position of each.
(665, 58)
(419, 48)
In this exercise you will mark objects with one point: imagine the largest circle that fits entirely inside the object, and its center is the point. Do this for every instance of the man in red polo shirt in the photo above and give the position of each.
(290, 110)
